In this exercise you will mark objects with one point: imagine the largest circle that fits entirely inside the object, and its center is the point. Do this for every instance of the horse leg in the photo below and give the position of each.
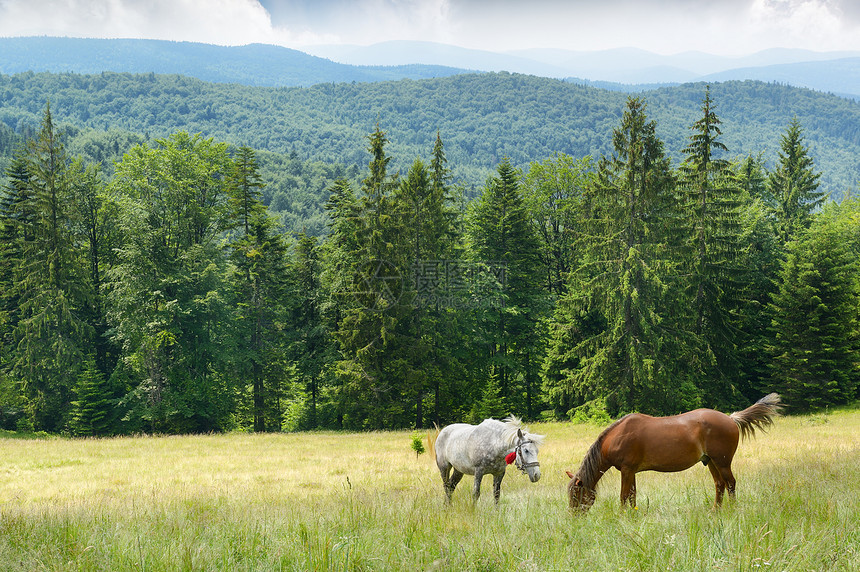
(451, 483)
(476, 489)
(728, 479)
(445, 471)
(497, 486)
(628, 487)
(719, 483)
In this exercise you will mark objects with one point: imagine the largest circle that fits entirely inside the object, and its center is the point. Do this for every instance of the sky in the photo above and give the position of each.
(724, 27)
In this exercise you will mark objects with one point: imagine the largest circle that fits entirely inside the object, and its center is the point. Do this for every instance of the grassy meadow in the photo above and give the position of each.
(344, 501)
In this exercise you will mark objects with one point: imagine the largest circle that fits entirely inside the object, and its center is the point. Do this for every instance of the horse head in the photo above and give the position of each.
(527, 452)
(581, 497)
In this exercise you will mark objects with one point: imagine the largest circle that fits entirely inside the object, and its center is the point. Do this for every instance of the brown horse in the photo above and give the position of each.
(638, 442)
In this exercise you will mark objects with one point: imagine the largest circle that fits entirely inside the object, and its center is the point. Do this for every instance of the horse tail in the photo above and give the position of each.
(758, 415)
(431, 441)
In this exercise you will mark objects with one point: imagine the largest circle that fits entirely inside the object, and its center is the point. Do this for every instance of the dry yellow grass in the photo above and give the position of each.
(363, 501)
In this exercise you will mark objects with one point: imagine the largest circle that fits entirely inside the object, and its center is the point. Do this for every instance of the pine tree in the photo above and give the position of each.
(794, 184)
(712, 198)
(501, 235)
(625, 282)
(815, 324)
(51, 334)
(259, 284)
(373, 331)
(92, 408)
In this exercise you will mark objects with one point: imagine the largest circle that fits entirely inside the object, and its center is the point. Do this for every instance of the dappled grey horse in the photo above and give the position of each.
(488, 448)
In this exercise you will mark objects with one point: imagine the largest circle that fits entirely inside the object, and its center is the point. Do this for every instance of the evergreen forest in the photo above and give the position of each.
(154, 282)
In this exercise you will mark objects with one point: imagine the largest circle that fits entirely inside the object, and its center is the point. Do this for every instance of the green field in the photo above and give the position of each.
(339, 501)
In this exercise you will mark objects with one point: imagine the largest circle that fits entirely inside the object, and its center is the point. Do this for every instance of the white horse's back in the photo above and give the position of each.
(453, 445)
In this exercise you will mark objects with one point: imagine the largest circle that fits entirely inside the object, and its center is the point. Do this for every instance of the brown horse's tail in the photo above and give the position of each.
(431, 442)
(758, 415)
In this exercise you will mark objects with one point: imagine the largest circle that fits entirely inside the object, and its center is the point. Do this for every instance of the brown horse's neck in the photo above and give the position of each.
(595, 464)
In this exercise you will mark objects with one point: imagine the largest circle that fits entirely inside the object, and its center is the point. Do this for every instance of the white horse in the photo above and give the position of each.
(485, 449)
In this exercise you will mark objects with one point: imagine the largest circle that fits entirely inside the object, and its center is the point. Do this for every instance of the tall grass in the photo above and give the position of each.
(330, 501)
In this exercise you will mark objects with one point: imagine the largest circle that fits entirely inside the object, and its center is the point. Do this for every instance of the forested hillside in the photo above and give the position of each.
(482, 118)
(613, 254)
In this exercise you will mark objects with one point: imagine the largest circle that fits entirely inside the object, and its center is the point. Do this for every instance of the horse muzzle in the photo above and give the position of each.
(532, 470)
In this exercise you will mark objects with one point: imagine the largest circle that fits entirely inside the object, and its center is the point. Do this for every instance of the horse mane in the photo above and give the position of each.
(514, 424)
(589, 471)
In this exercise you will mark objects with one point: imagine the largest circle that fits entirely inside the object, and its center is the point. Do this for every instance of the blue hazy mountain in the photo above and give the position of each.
(274, 66)
(625, 68)
(254, 64)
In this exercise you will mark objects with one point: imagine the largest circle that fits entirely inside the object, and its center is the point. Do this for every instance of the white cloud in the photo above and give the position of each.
(666, 26)
(226, 22)
(370, 21)
(813, 24)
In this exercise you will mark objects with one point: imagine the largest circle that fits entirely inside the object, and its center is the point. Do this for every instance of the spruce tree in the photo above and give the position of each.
(51, 335)
(310, 340)
(712, 198)
(433, 237)
(339, 252)
(794, 184)
(246, 188)
(376, 369)
(625, 283)
(422, 218)
(14, 195)
(443, 215)
(93, 406)
(16, 217)
(501, 235)
(259, 284)
(815, 323)
(492, 404)
(761, 261)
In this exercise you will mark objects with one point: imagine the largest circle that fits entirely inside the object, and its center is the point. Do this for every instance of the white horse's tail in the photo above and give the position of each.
(431, 442)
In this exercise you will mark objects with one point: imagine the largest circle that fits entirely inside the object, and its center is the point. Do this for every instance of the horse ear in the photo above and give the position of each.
(569, 474)
(520, 433)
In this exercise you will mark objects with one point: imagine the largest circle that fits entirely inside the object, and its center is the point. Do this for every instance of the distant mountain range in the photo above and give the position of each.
(258, 65)
(273, 66)
(632, 69)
